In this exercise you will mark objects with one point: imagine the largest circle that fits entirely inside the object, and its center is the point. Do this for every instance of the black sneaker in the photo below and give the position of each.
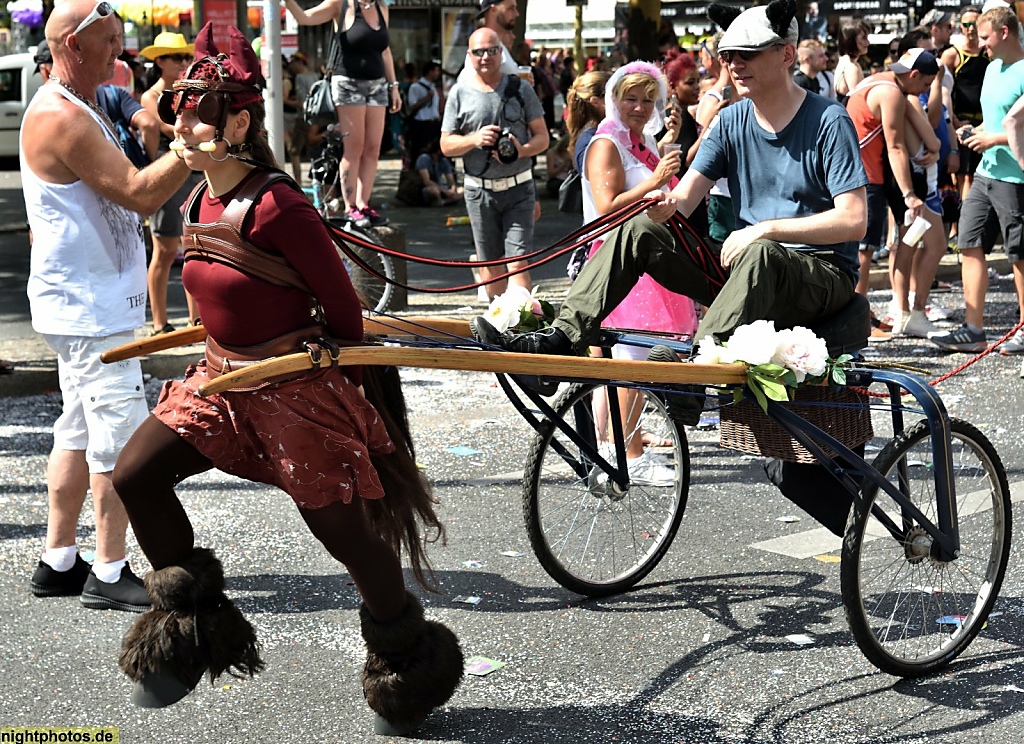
(545, 341)
(49, 583)
(127, 594)
(683, 408)
(376, 218)
(962, 339)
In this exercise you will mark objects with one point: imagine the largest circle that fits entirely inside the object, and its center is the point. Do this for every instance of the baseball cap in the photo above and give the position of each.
(936, 17)
(990, 4)
(43, 56)
(916, 59)
(484, 6)
(752, 30)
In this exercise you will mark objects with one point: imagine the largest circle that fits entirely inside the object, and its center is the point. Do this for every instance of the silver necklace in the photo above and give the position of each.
(91, 104)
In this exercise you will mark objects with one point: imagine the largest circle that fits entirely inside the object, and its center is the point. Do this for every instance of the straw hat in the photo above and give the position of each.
(167, 42)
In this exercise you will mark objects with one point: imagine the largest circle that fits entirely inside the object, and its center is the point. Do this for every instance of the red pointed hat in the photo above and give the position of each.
(237, 73)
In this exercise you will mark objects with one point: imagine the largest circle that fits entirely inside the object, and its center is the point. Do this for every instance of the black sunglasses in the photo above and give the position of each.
(968, 25)
(176, 57)
(745, 54)
(485, 52)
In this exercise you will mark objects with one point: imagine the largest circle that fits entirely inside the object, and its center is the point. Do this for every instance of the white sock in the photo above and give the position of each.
(60, 559)
(972, 329)
(109, 573)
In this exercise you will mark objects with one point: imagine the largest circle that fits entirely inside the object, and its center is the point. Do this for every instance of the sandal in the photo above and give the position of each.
(168, 328)
(6, 367)
(652, 441)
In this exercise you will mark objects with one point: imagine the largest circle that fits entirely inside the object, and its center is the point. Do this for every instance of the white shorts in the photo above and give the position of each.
(103, 403)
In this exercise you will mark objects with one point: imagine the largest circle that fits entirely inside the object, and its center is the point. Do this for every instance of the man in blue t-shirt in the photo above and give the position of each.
(998, 187)
(798, 195)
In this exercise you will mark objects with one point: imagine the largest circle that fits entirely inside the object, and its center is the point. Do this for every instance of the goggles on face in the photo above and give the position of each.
(211, 106)
(210, 99)
(102, 10)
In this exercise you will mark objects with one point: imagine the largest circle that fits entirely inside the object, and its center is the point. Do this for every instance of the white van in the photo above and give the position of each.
(19, 81)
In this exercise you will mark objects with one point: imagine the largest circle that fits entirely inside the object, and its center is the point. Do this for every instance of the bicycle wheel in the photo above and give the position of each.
(590, 537)
(375, 293)
(910, 612)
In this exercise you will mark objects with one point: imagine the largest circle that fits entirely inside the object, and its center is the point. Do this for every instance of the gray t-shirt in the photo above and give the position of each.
(468, 109)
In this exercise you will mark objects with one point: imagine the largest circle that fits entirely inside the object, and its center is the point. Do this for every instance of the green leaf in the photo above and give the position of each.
(788, 378)
(839, 376)
(755, 388)
(770, 370)
(844, 359)
(773, 389)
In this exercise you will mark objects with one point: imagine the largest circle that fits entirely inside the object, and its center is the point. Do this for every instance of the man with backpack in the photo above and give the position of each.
(495, 123)
(423, 124)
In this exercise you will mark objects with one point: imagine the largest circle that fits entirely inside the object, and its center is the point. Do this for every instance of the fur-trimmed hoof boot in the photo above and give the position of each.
(412, 666)
(193, 628)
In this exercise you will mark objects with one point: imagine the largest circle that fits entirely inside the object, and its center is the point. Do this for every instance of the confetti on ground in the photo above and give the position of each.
(708, 421)
(826, 558)
(513, 553)
(788, 518)
(707, 637)
(473, 564)
(778, 672)
(800, 639)
(463, 451)
(951, 620)
(467, 600)
(1013, 688)
(480, 666)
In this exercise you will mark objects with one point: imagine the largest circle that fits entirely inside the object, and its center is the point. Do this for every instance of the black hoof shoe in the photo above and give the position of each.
(384, 727)
(160, 689)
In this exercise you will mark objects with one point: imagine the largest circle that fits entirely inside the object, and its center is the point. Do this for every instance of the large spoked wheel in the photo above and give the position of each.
(589, 535)
(375, 293)
(910, 612)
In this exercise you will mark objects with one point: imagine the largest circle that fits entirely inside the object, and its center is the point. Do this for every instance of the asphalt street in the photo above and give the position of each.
(697, 652)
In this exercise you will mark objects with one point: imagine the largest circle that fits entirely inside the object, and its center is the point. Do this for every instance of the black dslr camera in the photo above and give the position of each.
(505, 147)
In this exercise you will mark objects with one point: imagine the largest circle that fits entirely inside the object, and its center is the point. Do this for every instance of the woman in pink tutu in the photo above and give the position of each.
(622, 164)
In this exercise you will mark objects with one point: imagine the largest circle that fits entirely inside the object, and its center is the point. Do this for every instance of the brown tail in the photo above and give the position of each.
(408, 500)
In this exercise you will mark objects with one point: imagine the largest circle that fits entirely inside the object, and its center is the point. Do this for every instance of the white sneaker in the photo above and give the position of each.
(917, 325)
(646, 471)
(935, 313)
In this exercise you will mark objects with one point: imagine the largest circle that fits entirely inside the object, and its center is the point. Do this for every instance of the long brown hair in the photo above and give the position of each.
(580, 111)
(256, 136)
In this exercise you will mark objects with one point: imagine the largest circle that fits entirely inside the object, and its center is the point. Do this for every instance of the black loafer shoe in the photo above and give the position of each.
(49, 583)
(127, 594)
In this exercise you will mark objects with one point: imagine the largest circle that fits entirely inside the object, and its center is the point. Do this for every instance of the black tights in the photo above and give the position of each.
(156, 459)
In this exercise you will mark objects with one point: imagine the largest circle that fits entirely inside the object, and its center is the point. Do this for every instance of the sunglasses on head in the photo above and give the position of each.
(745, 54)
(176, 57)
(485, 52)
(102, 10)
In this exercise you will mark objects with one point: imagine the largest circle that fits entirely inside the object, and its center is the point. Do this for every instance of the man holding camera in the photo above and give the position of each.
(495, 123)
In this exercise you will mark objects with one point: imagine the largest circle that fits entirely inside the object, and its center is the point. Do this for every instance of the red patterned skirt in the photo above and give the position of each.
(312, 436)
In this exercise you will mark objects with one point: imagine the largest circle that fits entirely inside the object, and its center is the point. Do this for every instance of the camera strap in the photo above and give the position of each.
(511, 90)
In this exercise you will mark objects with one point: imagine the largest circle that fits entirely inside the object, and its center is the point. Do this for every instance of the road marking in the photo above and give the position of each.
(810, 543)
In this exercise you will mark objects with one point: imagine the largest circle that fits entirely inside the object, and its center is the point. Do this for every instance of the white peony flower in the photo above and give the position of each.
(504, 311)
(801, 351)
(709, 352)
(754, 343)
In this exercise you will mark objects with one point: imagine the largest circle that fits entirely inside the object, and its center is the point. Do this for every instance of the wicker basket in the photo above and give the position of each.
(840, 412)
